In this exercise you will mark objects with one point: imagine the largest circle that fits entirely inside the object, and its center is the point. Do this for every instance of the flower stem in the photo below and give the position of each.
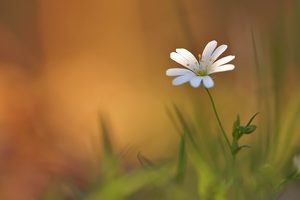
(218, 119)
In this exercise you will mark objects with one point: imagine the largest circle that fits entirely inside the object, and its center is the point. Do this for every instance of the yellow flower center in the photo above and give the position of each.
(201, 73)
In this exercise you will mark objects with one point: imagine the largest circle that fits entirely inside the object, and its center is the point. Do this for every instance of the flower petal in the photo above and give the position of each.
(183, 79)
(208, 50)
(221, 68)
(189, 56)
(222, 61)
(180, 59)
(177, 72)
(196, 81)
(218, 52)
(208, 82)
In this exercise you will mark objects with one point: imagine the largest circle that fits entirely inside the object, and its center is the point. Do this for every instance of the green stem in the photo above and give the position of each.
(218, 119)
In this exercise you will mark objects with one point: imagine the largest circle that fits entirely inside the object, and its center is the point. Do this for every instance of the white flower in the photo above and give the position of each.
(296, 162)
(199, 71)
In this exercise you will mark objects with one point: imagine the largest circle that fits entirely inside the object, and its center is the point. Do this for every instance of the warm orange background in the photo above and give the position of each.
(63, 62)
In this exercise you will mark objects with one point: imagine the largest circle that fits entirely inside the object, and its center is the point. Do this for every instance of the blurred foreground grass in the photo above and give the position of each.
(202, 169)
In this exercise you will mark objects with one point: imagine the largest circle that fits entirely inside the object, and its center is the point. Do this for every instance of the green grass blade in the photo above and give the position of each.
(182, 158)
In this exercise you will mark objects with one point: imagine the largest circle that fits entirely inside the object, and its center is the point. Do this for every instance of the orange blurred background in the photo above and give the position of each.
(63, 62)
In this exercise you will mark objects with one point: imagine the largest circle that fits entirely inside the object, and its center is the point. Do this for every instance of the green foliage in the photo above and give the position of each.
(145, 162)
(200, 171)
(181, 159)
(116, 185)
(126, 185)
(238, 131)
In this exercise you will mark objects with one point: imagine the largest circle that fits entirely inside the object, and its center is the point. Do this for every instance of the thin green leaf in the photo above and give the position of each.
(185, 128)
(248, 129)
(145, 162)
(252, 118)
(107, 145)
(181, 160)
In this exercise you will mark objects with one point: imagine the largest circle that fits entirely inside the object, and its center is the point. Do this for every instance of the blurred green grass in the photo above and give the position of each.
(201, 169)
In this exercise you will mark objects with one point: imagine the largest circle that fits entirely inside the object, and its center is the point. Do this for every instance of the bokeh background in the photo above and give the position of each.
(63, 63)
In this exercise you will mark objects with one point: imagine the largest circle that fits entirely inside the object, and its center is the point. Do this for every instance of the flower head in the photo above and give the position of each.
(196, 71)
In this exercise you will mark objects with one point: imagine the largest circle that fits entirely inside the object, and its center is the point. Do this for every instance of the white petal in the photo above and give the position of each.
(218, 52)
(177, 72)
(183, 79)
(189, 56)
(221, 68)
(208, 82)
(208, 50)
(180, 59)
(196, 81)
(223, 61)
